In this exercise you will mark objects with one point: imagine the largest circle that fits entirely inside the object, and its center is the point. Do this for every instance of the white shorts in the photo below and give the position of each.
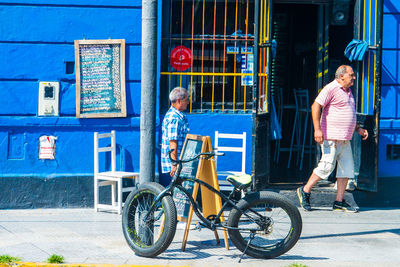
(335, 151)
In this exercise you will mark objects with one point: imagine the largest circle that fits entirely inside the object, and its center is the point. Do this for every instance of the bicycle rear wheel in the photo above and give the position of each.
(148, 238)
(269, 220)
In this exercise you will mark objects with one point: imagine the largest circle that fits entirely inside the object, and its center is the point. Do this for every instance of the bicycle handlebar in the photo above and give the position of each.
(207, 154)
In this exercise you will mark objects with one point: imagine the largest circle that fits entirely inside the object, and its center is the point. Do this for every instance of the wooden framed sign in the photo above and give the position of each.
(100, 78)
(204, 170)
(192, 146)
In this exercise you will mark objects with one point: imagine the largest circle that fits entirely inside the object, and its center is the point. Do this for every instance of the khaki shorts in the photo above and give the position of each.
(332, 152)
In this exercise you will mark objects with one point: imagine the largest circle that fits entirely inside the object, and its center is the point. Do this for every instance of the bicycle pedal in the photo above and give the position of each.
(198, 226)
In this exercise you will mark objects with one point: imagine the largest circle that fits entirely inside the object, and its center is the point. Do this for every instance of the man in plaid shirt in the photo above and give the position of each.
(174, 129)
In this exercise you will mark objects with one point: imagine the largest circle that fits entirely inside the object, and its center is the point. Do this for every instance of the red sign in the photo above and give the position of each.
(181, 58)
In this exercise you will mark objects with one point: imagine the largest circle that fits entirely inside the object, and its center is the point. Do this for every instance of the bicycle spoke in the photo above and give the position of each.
(148, 228)
(278, 228)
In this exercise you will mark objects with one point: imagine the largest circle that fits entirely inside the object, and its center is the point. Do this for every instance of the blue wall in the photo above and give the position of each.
(36, 42)
(207, 124)
(390, 90)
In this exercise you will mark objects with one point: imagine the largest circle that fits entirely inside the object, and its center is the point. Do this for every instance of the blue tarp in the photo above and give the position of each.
(355, 50)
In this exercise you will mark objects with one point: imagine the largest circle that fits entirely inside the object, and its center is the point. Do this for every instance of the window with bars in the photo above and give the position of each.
(218, 36)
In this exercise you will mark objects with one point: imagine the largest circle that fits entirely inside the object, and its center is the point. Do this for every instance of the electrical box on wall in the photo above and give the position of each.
(48, 98)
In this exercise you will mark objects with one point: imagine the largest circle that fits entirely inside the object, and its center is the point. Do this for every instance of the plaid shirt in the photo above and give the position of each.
(174, 127)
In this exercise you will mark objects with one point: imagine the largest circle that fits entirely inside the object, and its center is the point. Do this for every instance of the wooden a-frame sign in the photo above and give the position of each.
(207, 172)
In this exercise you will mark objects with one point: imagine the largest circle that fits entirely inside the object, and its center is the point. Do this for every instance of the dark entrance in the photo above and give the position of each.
(310, 48)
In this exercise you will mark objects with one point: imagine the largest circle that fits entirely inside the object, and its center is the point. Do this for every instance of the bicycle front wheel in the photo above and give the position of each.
(267, 224)
(151, 236)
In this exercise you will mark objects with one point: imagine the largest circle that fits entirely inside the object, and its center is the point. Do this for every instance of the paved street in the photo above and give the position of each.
(370, 237)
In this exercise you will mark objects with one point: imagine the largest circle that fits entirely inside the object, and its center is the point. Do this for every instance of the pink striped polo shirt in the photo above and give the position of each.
(338, 118)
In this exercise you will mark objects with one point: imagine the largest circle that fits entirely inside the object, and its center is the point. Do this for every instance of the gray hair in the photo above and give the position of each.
(342, 70)
(178, 93)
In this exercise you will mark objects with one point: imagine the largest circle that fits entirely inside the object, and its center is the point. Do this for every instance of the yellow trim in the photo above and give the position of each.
(369, 52)
(191, 93)
(364, 23)
(261, 20)
(212, 96)
(234, 89)
(201, 94)
(202, 58)
(169, 89)
(363, 70)
(223, 93)
(369, 24)
(268, 22)
(376, 33)
(234, 61)
(247, 20)
(223, 77)
(213, 67)
(362, 86)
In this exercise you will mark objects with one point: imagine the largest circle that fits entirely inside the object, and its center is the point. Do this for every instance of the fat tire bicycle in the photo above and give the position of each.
(261, 224)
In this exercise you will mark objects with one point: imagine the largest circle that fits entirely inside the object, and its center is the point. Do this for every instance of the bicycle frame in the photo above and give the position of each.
(176, 183)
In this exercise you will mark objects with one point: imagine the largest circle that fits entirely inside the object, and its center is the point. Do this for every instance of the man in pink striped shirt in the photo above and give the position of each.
(333, 130)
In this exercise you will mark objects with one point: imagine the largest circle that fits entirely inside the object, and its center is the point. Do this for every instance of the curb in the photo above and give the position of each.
(43, 264)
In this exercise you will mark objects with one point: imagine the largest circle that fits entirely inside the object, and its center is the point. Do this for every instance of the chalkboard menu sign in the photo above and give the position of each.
(192, 146)
(100, 78)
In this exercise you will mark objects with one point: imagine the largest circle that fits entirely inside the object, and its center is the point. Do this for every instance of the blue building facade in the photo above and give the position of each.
(389, 164)
(37, 45)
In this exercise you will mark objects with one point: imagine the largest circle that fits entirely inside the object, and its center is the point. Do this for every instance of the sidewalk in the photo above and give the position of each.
(82, 236)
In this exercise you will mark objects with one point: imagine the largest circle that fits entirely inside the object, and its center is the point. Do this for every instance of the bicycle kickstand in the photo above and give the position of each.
(252, 235)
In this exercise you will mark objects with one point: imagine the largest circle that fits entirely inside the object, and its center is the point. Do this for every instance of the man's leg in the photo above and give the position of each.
(304, 194)
(340, 204)
(341, 187)
(345, 169)
(311, 182)
(322, 171)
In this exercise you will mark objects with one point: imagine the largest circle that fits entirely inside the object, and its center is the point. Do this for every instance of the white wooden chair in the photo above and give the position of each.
(112, 178)
(225, 185)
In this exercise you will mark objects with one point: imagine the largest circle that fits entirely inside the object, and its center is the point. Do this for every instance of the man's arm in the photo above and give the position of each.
(316, 109)
(173, 144)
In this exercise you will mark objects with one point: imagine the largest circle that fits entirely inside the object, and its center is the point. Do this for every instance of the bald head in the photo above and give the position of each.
(345, 76)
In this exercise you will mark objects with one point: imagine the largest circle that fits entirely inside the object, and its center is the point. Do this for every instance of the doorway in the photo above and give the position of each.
(310, 48)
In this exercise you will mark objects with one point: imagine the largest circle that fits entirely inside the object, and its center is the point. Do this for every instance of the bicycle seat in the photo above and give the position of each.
(240, 181)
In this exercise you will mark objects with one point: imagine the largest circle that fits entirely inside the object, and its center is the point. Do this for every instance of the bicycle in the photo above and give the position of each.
(261, 224)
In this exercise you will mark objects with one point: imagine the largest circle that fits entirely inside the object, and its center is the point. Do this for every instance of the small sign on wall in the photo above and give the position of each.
(47, 147)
